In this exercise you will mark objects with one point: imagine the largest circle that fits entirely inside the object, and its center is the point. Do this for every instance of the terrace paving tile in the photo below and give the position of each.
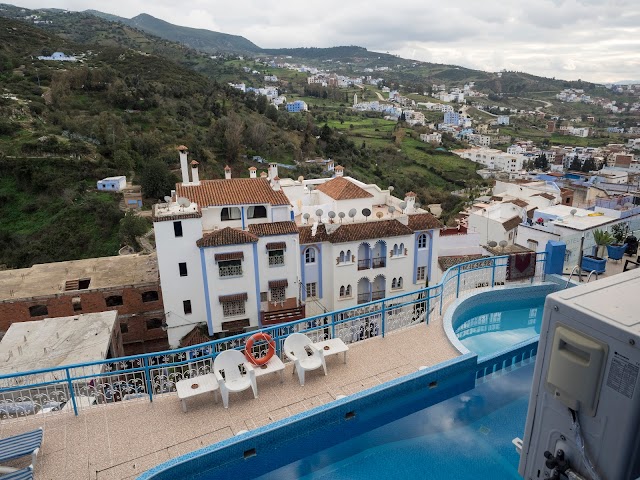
(125, 438)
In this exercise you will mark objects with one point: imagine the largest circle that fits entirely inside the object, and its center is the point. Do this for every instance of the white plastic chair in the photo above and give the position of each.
(305, 355)
(234, 380)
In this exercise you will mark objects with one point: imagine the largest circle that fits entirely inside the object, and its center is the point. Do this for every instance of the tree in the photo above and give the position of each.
(123, 161)
(541, 162)
(589, 165)
(575, 165)
(132, 226)
(156, 179)
(257, 135)
(262, 104)
(233, 128)
(272, 113)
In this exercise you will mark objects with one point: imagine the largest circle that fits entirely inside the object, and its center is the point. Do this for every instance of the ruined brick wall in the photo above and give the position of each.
(135, 313)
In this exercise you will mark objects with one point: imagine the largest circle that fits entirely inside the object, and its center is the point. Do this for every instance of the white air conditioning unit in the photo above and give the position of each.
(584, 412)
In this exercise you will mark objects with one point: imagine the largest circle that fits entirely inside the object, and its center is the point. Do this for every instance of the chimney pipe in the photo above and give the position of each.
(339, 170)
(227, 172)
(252, 172)
(275, 184)
(263, 174)
(195, 176)
(184, 166)
(273, 170)
(410, 198)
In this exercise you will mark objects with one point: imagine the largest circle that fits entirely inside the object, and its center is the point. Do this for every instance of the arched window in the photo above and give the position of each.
(399, 282)
(422, 241)
(347, 257)
(393, 283)
(348, 292)
(230, 213)
(310, 255)
(342, 256)
(257, 211)
(395, 249)
(342, 291)
(401, 249)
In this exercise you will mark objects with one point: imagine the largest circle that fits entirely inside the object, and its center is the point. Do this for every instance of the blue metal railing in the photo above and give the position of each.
(146, 376)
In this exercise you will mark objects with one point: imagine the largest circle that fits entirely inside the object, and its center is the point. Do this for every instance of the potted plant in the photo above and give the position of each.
(596, 262)
(616, 249)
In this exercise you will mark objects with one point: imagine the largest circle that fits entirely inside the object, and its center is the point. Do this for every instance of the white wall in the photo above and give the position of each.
(175, 289)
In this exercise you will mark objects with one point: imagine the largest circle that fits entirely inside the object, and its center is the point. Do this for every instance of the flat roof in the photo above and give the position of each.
(581, 219)
(104, 272)
(58, 341)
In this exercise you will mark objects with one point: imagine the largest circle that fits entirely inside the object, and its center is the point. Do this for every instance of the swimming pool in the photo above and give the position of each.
(466, 437)
(487, 322)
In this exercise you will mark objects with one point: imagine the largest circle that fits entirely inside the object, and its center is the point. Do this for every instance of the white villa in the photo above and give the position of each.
(239, 253)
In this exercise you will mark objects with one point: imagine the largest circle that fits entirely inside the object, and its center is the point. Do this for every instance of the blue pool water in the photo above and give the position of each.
(491, 328)
(464, 437)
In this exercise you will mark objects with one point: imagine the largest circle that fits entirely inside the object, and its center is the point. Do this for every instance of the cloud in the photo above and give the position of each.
(590, 39)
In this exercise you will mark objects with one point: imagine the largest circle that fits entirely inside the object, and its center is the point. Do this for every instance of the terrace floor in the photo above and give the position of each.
(120, 441)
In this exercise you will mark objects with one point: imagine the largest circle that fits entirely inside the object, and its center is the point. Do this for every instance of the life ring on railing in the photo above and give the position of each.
(249, 347)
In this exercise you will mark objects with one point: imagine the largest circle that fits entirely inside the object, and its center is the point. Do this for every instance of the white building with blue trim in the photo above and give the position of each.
(240, 253)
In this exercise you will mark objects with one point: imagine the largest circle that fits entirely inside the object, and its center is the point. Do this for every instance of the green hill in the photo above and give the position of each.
(199, 39)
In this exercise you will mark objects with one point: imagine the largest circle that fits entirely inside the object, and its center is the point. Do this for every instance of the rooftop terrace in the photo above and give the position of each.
(103, 272)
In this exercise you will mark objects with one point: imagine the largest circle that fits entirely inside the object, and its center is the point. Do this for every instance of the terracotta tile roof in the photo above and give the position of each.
(171, 218)
(354, 232)
(234, 297)
(512, 223)
(275, 228)
(195, 337)
(340, 188)
(222, 257)
(548, 196)
(450, 261)
(232, 191)
(306, 237)
(518, 202)
(226, 236)
(423, 221)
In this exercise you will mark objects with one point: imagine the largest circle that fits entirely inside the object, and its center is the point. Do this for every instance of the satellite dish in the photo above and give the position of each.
(573, 211)
(319, 212)
(310, 187)
(353, 212)
(332, 214)
(341, 215)
(503, 243)
(391, 188)
(417, 205)
(183, 202)
(167, 199)
(492, 244)
(366, 212)
(306, 216)
(403, 205)
(391, 209)
(379, 214)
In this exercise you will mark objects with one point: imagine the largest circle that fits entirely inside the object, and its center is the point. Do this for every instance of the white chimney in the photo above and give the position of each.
(195, 176)
(410, 198)
(252, 172)
(273, 170)
(184, 165)
(263, 174)
(227, 172)
(339, 170)
(275, 184)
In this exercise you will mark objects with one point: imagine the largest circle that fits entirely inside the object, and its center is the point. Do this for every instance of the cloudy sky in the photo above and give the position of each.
(596, 40)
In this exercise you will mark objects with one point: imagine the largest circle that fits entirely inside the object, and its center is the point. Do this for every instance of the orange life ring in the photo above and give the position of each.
(249, 346)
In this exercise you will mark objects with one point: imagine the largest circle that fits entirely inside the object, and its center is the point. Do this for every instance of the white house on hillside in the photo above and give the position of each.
(240, 253)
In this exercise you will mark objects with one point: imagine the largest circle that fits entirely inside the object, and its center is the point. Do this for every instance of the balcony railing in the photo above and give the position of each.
(364, 297)
(379, 262)
(377, 294)
(364, 264)
(72, 389)
(276, 260)
(230, 270)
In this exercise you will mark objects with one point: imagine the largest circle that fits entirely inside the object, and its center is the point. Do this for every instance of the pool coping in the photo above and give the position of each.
(463, 368)
(447, 319)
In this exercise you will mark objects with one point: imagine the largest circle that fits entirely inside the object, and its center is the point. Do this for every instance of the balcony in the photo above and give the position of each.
(230, 270)
(288, 310)
(379, 262)
(377, 294)
(276, 260)
(364, 297)
(364, 264)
